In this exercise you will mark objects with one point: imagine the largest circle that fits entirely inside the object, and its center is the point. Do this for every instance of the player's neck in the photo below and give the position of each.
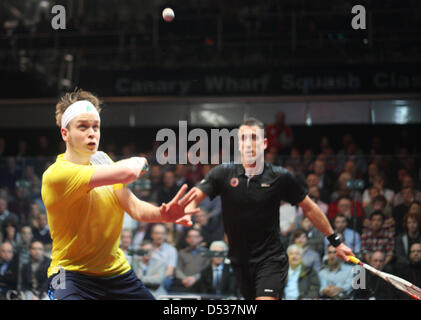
(252, 169)
(76, 157)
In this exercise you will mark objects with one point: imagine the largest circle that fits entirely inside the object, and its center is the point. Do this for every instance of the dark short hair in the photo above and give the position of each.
(340, 215)
(380, 198)
(253, 122)
(377, 213)
(298, 233)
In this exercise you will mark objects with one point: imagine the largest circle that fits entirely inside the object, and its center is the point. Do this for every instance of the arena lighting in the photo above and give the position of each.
(402, 115)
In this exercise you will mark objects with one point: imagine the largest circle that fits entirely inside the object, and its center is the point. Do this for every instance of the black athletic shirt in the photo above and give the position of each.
(250, 208)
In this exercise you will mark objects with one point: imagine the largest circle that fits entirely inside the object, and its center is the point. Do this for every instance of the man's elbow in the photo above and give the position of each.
(129, 175)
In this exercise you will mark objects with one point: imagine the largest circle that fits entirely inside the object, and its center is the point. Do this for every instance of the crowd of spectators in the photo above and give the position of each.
(373, 202)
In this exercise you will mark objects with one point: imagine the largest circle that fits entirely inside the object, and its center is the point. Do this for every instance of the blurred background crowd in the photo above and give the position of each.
(371, 199)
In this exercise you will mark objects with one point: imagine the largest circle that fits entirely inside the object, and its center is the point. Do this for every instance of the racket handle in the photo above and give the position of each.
(354, 259)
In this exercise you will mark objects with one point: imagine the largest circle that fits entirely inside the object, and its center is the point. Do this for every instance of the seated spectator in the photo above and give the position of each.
(314, 236)
(213, 207)
(139, 234)
(150, 270)
(379, 203)
(379, 183)
(9, 266)
(302, 281)
(190, 264)
(350, 237)
(168, 189)
(217, 277)
(6, 214)
(401, 209)
(34, 273)
(42, 232)
(126, 239)
(335, 278)
(352, 210)
(411, 235)
(372, 171)
(375, 288)
(326, 180)
(279, 135)
(407, 182)
(210, 229)
(343, 191)
(377, 238)
(310, 258)
(372, 193)
(24, 244)
(412, 271)
(164, 251)
(287, 217)
(9, 232)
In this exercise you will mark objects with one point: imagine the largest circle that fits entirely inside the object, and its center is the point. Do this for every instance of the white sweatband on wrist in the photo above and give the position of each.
(77, 108)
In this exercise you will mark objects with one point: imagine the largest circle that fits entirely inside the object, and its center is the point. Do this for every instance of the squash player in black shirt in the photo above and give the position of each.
(251, 193)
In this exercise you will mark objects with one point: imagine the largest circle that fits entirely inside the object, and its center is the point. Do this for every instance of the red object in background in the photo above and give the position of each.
(332, 211)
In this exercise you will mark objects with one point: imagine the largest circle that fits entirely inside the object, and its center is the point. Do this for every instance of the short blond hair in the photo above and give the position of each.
(71, 97)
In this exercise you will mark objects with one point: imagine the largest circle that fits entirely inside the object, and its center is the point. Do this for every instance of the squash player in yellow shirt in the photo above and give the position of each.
(85, 194)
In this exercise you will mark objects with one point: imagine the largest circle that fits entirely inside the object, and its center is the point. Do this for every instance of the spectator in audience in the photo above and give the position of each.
(310, 258)
(210, 229)
(335, 278)
(326, 180)
(351, 209)
(150, 270)
(42, 232)
(6, 214)
(287, 216)
(401, 209)
(379, 203)
(407, 182)
(9, 231)
(412, 271)
(379, 183)
(9, 266)
(21, 202)
(351, 238)
(279, 135)
(180, 174)
(155, 176)
(314, 236)
(34, 212)
(126, 240)
(213, 207)
(34, 273)
(24, 243)
(217, 277)
(139, 234)
(377, 238)
(375, 288)
(314, 194)
(190, 264)
(372, 171)
(302, 281)
(164, 252)
(411, 235)
(372, 193)
(169, 188)
(342, 189)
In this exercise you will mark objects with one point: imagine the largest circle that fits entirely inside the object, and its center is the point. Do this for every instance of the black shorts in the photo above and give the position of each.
(263, 279)
(77, 286)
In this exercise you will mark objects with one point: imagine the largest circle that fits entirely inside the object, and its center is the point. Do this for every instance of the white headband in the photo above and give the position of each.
(75, 109)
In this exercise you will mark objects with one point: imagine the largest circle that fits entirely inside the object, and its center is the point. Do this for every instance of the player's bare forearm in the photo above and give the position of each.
(316, 216)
